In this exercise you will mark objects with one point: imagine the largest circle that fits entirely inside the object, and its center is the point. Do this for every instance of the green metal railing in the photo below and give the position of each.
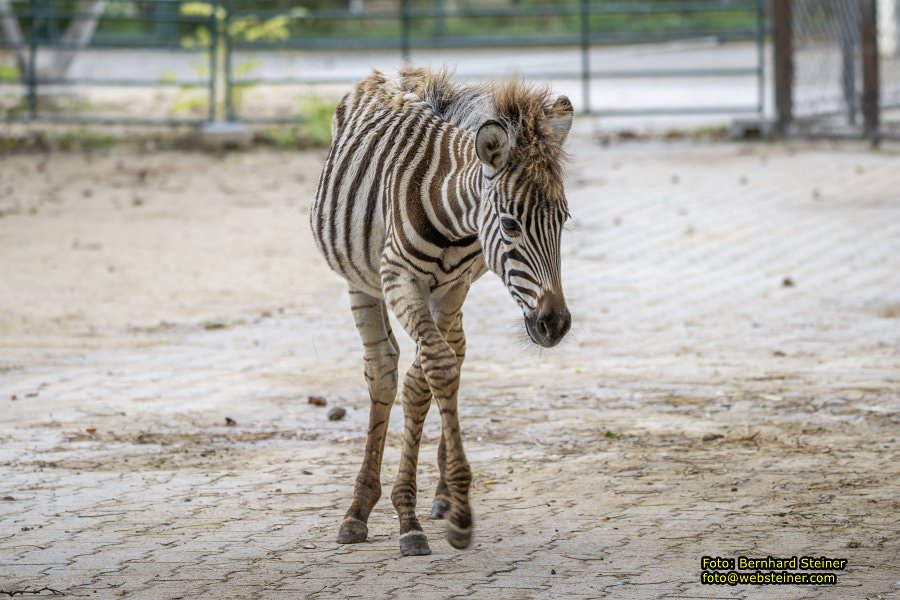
(163, 25)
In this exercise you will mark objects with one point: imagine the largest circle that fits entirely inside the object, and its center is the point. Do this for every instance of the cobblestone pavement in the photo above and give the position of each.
(731, 387)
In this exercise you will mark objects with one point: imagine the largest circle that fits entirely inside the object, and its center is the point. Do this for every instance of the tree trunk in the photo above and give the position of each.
(13, 35)
(77, 36)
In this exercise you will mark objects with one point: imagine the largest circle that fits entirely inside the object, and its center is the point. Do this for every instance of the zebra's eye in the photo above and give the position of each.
(509, 225)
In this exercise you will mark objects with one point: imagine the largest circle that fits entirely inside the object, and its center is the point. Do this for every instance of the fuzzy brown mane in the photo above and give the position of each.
(527, 112)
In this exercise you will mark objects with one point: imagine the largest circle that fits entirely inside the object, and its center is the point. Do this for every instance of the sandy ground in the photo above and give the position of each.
(731, 385)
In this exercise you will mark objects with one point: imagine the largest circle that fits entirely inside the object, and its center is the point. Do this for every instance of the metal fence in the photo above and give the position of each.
(836, 76)
(201, 60)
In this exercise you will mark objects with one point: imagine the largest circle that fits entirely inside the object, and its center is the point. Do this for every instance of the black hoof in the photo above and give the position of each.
(414, 543)
(439, 508)
(353, 531)
(459, 538)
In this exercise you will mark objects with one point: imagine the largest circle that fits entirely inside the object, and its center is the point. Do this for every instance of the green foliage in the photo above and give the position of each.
(189, 101)
(315, 120)
(81, 139)
(248, 29)
(9, 73)
(280, 137)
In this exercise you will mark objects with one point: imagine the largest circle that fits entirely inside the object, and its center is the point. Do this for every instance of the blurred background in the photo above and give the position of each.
(819, 67)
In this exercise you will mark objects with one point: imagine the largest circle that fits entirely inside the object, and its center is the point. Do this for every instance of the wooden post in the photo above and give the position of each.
(782, 34)
(868, 33)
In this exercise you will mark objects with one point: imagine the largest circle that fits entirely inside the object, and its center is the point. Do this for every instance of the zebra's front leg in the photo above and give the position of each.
(441, 503)
(450, 324)
(438, 361)
(380, 356)
(416, 400)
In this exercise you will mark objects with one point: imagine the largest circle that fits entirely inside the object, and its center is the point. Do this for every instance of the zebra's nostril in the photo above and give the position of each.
(542, 327)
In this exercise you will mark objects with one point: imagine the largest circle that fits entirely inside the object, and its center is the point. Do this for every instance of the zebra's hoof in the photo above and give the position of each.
(439, 508)
(459, 538)
(353, 531)
(414, 543)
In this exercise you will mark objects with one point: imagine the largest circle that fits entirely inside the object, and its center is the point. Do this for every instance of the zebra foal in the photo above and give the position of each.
(427, 185)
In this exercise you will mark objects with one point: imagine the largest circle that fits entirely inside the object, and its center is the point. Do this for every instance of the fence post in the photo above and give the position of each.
(213, 59)
(32, 60)
(761, 58)
(848, 28)
(868, 33)
(438, 7)
(404, 30)
(226, 41)
(784, 64)
(586, 55)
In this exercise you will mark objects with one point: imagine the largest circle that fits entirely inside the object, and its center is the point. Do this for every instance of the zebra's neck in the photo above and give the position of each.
(456, 183)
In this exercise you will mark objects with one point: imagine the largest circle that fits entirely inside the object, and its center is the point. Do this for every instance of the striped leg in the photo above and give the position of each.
(437, 360)
(441, 503)
(456, 338)
(416, 401)
(380, 355)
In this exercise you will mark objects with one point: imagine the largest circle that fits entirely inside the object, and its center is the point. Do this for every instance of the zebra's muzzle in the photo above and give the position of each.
(550, 321)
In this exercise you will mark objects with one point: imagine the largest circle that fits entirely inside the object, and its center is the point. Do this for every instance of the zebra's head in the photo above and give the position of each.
(523, 209)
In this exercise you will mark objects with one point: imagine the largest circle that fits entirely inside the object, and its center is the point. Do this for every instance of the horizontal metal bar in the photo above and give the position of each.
(637, 112)
(556, 75)
(101, 44)
(297, 119)
(92, 120)
(675, 73)
(56, 15)
(676, 110)
(493, 41)
(632, 8)
(91, 82)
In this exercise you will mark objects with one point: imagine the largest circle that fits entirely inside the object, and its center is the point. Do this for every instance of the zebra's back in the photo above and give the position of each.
(384, 141)
(348, 215)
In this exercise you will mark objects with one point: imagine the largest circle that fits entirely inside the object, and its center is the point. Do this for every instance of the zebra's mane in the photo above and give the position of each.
(464, 105)
(528, 113)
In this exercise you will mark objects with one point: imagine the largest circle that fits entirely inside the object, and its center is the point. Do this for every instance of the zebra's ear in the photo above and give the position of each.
(560, 118)
(492, 145)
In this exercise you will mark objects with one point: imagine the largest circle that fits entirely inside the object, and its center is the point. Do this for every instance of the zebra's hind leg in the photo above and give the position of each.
(416, 400)
(380, 356)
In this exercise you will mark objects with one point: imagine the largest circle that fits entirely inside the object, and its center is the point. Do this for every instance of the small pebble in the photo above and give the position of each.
(787, 282)
(317, 401)
(230, 422)
(553, 571)
(336, 414)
